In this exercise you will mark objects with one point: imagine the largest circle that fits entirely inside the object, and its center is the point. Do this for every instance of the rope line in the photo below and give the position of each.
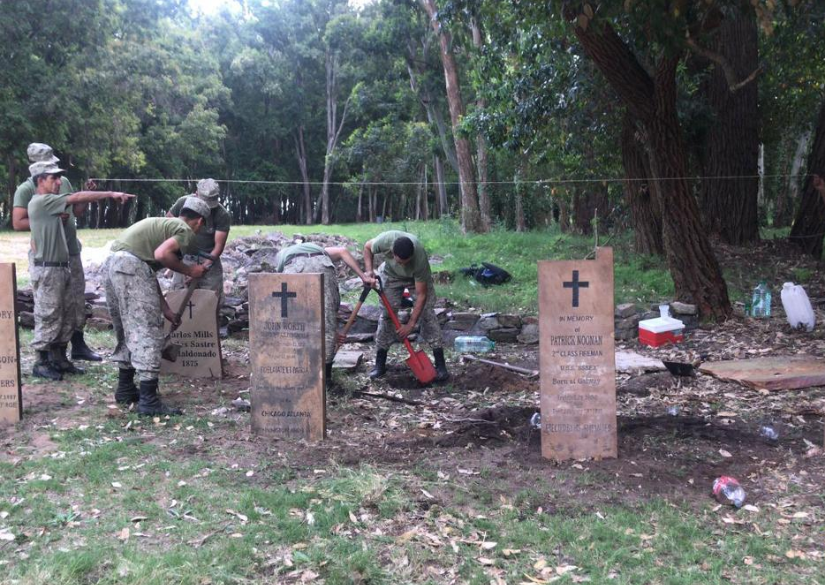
(541, 182)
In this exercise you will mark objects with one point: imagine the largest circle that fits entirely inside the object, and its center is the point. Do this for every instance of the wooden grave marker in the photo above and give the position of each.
(286, 351)
(197, 336)
(11, 397)
(577, 359)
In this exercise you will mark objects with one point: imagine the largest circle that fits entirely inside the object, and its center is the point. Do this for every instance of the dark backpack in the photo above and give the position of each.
(487, 274)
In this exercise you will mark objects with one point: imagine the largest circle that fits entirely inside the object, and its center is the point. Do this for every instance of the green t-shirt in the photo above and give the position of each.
(143, 238)
(24, 194)
(418, 268)
(218, 221)
(48, 234)
(289, 253)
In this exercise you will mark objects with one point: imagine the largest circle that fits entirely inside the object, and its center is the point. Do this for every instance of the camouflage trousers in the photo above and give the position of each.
(211, 280)
(429, 329)
(332, 298)
(133, 297)
(54, 310)
(78, 291)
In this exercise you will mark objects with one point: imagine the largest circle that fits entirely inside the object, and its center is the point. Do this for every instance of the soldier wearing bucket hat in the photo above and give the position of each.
(136, 305)
(39, 152)
(211, 239)
(51, 276)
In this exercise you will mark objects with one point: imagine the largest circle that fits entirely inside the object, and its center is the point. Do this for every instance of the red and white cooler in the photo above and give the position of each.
(661, 330)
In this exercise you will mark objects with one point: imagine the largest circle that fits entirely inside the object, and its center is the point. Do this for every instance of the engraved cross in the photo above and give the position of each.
(575, 284)
(190, 306)
(284, 296)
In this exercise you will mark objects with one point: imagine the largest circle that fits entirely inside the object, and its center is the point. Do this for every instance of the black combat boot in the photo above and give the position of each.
(62, 363)
(81, 351)
(44, 368)
(442, 375)
(380, 364)
(149, 403)
(126, 391)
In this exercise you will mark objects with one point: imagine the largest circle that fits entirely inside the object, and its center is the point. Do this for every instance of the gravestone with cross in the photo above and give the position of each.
(286, 351)
(11, 399)
(197, 336)
(577, 358)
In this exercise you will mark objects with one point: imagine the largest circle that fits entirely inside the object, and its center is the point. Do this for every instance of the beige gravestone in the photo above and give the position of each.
(286, 351)
(11, 399)
(577, 360)
(197, 336)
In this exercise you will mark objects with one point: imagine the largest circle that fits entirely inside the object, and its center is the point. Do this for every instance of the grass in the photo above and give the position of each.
(641, 280)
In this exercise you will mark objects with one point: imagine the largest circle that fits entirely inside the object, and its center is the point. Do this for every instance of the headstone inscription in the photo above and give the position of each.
(286, 351)
(197, 336)
(577, 359)
(11, 399)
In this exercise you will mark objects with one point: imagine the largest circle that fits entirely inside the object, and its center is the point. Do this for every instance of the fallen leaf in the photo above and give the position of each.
(485, 561)
(489, 545)
(724, 453)
(124, 535)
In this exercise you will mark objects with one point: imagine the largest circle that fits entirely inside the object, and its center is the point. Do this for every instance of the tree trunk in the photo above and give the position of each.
(334, 127)
(470, 217)
(426, 210)
(564, 213)
(418, 190)
(481, 145)
(371, 204)
(730, 155)
(693, 266)
(789, 192)
(644, 215)
(358, 214)
(443, 207)
(808, 227)
(521, 225)
(301, 154)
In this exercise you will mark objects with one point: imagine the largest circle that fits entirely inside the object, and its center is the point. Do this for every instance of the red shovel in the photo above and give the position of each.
(418, 361)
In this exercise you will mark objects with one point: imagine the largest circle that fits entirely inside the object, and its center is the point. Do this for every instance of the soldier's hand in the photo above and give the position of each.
(122, 197)
(64, 217)
(368, 281)
(405, 330)
(197, 270)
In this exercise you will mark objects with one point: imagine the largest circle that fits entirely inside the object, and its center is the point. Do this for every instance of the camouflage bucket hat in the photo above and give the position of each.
(39, 152)
(208, 190)
(197, 205)
(44, 167)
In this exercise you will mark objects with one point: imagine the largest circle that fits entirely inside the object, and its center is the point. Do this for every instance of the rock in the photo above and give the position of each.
(529, 333)
(625, 310)
(26, 319)
(629, 323)
(442, 277)
(486, 323)
(461, 321)
(641, 385)
(678, 308)
(351, 284)
(504, 334)
(626, 334)
(98, 324)
(509, 320)
(101, 312)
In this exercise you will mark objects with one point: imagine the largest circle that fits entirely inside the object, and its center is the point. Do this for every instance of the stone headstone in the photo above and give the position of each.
(197, 336)
(286, 351)
(11, 399)
(576, 353)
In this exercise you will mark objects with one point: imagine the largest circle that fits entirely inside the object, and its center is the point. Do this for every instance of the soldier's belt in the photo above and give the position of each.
(51, 264)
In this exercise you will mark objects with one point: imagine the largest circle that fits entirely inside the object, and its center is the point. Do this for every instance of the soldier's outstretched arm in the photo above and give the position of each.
(167, 255)
(345, 256)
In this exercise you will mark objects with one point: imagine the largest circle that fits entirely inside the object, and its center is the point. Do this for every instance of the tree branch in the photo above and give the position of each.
(730, 75)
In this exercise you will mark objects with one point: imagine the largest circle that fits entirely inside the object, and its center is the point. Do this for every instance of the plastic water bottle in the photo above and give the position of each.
(761, 305)
(535, 420)
(473, 344)
(727, 490)
(798, 307)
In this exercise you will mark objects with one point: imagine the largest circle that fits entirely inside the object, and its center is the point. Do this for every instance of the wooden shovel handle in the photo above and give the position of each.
(354, 314)
(190, 290)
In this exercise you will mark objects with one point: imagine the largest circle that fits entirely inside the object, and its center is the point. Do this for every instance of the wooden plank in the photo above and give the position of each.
(770, 373)
(347, 360)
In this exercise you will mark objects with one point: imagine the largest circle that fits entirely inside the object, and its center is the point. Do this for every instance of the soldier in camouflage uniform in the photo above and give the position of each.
(306, 257)
(136, 304)
(405, 265)
(54, 312)
(38, 152)
(211, 239)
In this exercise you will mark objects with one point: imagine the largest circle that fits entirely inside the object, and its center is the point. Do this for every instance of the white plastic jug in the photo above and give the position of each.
(798, 307)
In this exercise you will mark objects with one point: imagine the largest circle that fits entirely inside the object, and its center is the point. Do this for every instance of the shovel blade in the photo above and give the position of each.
(421, 367)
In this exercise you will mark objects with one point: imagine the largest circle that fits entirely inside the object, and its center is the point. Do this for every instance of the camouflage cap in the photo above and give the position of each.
(197, 205)
(208, 190)
(46, 167)
(39, 152)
